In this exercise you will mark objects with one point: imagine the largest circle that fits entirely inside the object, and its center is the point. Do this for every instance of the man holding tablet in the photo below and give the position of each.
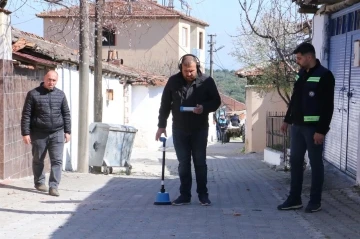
(190, 96)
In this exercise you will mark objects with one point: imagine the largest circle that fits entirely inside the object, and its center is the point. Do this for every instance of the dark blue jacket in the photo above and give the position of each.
(45, 111)
(177, 93)
(312, 101)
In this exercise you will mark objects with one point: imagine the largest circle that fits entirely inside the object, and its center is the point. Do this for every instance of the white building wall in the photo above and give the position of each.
(144, 116)
(319, 39)
(193, 41)
(112, 110)
(184, 49)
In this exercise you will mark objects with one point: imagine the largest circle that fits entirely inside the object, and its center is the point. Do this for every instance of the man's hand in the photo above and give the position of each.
(67, 138)
(284, 128)
(26, 139)
(319, 138)
(159, 132)
(198, 109)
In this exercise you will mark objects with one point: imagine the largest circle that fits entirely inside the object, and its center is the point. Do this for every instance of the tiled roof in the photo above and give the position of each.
(25, 44)
(34, 59)
(55, 50)
(143, 77)
(231, 103)
(252, 71)
(121, 9)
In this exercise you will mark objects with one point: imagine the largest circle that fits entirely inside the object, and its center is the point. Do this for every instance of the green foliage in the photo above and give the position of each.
(229, 84)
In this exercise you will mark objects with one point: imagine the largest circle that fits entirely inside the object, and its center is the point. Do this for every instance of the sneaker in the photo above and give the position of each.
(181, 200)
(41, 187)
(313, 207)
(204, 200)
(54, 192)
(290, 204)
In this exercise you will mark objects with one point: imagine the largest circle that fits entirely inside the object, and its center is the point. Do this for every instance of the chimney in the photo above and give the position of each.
(112, 55)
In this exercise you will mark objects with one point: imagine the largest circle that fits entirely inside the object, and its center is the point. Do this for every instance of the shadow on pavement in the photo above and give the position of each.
(62, 201)
(123, 208)
(244, 191)
(35, 212)
(31, 190)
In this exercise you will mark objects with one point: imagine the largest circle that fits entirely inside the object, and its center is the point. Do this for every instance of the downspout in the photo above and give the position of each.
(70, 102)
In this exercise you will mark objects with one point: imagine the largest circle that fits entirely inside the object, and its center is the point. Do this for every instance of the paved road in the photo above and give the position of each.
(244, 190)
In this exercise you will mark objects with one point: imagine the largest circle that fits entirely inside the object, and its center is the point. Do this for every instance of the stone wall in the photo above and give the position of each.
(15, 156)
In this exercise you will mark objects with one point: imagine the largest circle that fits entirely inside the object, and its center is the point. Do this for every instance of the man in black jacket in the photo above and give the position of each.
(310, 112)
(45, 123)
(190, 96)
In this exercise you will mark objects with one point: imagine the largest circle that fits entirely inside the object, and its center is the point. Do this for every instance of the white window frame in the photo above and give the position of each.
(184, 36)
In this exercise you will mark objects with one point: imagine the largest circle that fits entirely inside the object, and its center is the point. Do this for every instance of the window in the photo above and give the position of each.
(339, 26)
(201, 40)
(184, 39)
(109, 35)
(344, 25)
(351, 21)
(109, 94)
(333, 27)
(357, 20)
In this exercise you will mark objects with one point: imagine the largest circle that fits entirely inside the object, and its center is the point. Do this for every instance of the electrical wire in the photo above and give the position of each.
(219, 59)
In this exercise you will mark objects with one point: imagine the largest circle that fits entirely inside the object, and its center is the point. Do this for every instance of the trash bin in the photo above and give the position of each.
(111, 146)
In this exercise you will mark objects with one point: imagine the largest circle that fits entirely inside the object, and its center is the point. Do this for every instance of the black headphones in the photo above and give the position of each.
(196, 59)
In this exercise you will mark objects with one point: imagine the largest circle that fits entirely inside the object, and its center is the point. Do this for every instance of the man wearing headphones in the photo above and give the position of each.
(190, 96)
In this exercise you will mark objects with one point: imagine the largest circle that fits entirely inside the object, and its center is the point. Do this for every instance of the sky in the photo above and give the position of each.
(222, 16)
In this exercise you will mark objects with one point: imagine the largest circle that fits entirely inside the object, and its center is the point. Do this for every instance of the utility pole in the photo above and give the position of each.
(212, 50)
(212, 43)
(83, 124)
(98, 100)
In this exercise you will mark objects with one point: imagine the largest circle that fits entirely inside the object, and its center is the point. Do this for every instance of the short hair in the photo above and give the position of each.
(187, 60)
(57, 74)
(305, 48)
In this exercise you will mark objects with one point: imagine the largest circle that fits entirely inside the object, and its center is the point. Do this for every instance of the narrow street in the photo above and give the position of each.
(244, 191)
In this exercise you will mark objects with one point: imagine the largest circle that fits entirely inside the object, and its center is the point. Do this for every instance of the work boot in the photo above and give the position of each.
(54, 192)
(41, 187)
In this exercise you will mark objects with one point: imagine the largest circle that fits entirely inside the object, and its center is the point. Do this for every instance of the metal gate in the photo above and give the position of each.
(341, 144)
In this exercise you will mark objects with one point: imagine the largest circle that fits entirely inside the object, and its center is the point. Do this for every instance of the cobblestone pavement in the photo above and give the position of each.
(244, 190)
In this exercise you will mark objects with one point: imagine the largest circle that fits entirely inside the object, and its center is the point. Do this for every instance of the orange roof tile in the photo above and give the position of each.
(231, 103)
(144, 77)
(122, 9)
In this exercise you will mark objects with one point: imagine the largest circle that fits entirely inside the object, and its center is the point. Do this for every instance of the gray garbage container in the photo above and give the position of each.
(111, 146)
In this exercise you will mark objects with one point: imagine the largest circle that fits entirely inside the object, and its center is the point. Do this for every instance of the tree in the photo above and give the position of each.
(269, 32)
(229, 84)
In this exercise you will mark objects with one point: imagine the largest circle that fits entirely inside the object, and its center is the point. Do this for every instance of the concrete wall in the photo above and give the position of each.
(193, 40)
(257, 105)
(320, 38)
(153, 45)
(113, 110)
(145, 104)
(65, 31)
